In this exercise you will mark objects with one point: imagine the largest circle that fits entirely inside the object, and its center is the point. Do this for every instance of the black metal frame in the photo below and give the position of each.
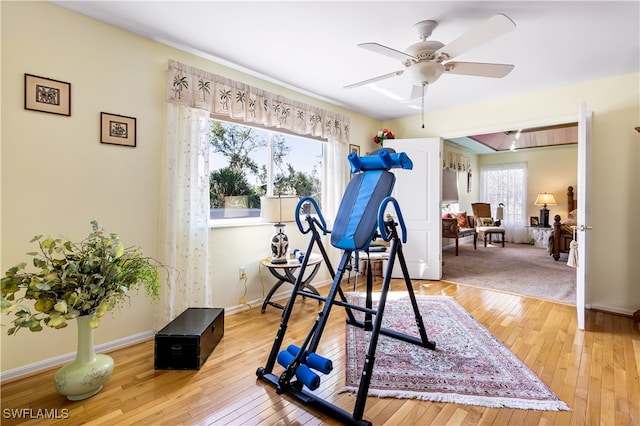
(287, 382)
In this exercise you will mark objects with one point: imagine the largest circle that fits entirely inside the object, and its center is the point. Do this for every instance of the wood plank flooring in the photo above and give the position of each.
(595, 372)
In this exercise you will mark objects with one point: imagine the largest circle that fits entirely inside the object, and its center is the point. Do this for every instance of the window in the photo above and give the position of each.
(507, 184)
(248, 162)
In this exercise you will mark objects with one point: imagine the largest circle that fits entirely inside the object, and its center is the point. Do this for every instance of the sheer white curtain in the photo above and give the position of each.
(507, 184)
(336, 175)
(185, 218)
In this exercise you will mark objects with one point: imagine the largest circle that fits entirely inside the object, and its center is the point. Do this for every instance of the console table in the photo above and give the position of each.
(285, 273)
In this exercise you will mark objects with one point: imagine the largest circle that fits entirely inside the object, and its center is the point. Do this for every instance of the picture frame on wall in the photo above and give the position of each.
(117, 129)
(47, 95)
(533, 221)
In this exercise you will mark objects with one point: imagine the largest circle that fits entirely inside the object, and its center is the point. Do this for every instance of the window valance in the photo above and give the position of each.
(221, 96)
(455, 161)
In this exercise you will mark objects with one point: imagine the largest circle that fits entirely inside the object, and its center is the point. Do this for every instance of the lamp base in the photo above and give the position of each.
(279, 244)
(544, 218)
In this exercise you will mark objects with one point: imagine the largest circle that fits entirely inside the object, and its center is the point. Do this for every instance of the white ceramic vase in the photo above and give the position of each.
(85, 376)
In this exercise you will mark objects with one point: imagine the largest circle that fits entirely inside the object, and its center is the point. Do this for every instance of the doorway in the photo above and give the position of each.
(550, 151)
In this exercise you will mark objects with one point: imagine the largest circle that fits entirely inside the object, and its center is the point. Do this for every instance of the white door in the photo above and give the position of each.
(584, 141)
(418, 192)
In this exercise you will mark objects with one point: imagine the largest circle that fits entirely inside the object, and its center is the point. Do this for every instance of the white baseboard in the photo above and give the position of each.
(611, 309)
(36, 367)
(257, 303)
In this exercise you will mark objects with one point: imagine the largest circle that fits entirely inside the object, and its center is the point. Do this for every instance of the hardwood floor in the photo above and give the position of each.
(595, 372)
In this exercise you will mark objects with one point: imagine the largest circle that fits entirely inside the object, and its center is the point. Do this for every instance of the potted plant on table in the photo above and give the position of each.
(79, 281)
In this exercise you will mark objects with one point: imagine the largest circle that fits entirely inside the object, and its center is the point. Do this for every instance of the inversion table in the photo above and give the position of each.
(360, 217)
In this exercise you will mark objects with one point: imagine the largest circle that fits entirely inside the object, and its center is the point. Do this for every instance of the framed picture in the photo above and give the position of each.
(533, 221)
(117, 129)
(354, 148)
(47, 95)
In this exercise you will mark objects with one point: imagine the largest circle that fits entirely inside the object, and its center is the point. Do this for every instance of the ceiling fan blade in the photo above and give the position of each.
(416, 91)
(478, 69)
(494, 27)
(374, 79)
(384, 50)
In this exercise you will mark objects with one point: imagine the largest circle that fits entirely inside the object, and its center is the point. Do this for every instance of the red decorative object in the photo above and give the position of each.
(382, 135)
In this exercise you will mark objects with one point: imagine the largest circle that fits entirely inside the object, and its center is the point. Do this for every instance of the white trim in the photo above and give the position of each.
(611, 309)
(257, 303)
(36, 367)
(540, 122)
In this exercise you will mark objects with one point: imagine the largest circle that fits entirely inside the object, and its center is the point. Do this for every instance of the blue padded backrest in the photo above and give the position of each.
(357, 217)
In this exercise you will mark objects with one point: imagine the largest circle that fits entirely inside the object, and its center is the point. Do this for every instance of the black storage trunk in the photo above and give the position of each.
(186, 342)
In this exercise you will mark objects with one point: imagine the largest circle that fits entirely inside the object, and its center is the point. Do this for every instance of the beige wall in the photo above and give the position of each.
(613, 198)
(57, 176)
(466, 198)
(548, 170)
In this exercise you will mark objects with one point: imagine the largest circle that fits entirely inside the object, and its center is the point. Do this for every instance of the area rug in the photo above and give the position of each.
(469, 365)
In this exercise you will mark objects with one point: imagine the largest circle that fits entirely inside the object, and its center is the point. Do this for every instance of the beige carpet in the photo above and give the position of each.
(517, 268)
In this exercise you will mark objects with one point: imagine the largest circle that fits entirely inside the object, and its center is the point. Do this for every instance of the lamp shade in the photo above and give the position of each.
(500, 212)
(278, 209)
(545, 199)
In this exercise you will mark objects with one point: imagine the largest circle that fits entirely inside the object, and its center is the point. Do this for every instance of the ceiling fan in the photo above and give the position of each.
(425, 61)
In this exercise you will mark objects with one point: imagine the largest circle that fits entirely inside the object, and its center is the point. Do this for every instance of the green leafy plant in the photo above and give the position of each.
(76, 279)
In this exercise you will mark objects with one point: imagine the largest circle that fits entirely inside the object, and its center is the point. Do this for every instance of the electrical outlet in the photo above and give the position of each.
(243, 272)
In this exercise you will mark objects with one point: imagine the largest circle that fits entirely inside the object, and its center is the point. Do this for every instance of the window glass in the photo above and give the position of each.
(247, 163)
(506, 184)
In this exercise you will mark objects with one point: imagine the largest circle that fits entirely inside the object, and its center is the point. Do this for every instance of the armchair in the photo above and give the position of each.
(485, 226)
(451, 229)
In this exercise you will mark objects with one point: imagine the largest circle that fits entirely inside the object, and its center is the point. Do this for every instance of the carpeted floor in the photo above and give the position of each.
(516, 268)
(468, 366)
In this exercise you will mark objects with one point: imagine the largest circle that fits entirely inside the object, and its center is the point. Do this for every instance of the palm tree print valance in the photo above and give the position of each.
(221, 96)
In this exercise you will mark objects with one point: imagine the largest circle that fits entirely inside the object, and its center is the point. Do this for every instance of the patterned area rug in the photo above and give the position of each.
(469, 365)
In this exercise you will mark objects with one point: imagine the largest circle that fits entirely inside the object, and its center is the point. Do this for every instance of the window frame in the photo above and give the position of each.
(255, 221)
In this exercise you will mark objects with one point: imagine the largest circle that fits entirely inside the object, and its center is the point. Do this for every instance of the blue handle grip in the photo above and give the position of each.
(381, 227)
(318, 212)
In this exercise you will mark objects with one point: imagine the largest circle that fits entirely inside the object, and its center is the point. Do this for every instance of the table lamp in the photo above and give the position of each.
(278, 210)
(499, 214)
(544, 199)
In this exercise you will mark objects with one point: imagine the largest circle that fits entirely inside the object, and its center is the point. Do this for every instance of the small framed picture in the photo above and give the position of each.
(117, 129)
(533, 221)
(354, 148)
(47, 95)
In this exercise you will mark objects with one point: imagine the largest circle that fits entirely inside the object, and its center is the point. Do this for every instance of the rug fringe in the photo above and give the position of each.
(491, 402)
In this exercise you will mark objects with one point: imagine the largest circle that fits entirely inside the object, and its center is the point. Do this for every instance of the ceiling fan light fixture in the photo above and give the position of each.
(422, 51)
(425, 72)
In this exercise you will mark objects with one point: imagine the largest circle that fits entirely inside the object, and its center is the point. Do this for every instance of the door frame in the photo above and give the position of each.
(581, 300)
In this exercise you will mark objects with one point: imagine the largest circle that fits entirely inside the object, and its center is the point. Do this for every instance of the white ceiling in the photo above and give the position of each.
(310, 46)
